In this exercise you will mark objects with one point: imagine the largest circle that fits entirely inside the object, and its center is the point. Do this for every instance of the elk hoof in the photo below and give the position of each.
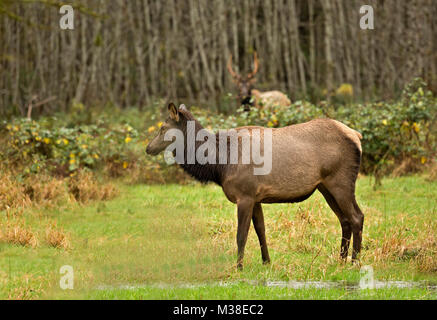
(356, 261)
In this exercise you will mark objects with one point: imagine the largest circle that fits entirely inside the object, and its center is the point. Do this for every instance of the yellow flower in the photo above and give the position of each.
(46, 140)
(84, 146)
(16, 128)
(384, 122)
(72, 155)
(125, 164)
(128, 139)
(416, 127)
(423, 160)
(38, 138)
(274, 119)
(159, 124)
(151, 129)
(9, 127)
(72, 161)
(65, 141)
(345, 89)
(270, 124)
(96, 156)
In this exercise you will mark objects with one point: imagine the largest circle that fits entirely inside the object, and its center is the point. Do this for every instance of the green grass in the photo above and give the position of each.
(174, 235)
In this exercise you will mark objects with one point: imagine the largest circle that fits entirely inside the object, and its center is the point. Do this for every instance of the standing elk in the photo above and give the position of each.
(321, 154)
(249, 97)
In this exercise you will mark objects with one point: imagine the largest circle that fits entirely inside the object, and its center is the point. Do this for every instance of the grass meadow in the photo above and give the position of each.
(178, 242)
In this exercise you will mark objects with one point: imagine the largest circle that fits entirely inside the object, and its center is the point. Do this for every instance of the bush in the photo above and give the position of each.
(42, 145)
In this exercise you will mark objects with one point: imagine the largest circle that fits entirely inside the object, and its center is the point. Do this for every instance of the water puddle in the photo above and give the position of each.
(284, 284)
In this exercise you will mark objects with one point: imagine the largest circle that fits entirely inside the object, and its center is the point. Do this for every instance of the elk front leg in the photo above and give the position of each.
(258, 223)
(245, 211)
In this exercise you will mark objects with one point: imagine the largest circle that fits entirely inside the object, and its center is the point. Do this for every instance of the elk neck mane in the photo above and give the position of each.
(201, 172)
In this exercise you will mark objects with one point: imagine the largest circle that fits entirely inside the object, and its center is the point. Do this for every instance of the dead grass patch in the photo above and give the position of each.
(432, 174)
(407, 166)
(57, 237)
(16, 232)
(84, 187)
(155, 174)
(12, 194)
(45, 190)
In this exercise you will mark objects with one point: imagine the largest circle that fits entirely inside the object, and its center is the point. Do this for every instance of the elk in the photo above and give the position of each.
(249, 97)
(322, 154)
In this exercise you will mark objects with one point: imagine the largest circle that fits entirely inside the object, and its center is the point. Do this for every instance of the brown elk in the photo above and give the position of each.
(322, 154)
(249, 97)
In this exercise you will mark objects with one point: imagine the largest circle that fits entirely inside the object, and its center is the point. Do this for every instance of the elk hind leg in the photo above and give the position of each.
(258, 223)
(345, 197)
(345, 225)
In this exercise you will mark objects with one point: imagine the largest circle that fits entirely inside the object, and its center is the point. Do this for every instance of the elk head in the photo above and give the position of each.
(245, 84)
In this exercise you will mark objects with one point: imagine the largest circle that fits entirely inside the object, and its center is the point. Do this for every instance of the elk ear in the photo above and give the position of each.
(174, 113)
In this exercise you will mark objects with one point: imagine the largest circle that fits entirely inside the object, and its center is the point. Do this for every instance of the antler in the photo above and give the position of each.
(255, 67)
(231, 71)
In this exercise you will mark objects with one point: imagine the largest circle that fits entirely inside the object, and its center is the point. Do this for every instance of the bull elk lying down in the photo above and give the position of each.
(321, 154)
(249, 97)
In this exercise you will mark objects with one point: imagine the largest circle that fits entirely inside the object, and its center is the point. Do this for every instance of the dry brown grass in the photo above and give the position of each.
(45, 190)
(12, 193)
(84, 187)
(57, 237)
(432, 173)
(138, 174)
(407, 166)
(415, 243)
(16, 232)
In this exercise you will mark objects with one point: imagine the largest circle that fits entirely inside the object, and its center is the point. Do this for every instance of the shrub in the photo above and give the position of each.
(41, 145)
